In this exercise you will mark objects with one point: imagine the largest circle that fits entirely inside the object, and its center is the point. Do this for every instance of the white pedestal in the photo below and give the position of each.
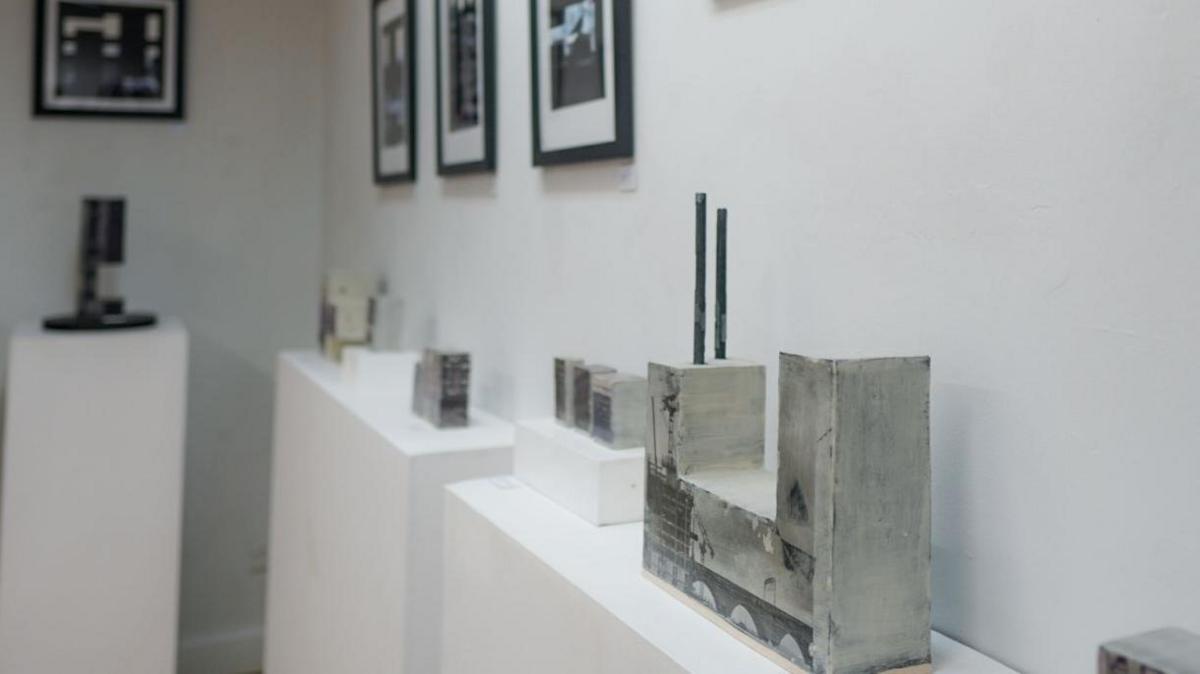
(92, 501)
(530, 588)
(601, 485)
(354, 583)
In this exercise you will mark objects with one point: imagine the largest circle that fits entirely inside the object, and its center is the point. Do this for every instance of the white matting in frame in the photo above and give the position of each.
(466, 85)
(589, 123)
(159, 39)
(394, 90)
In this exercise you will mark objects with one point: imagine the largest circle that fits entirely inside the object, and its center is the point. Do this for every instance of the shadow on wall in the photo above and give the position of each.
(958, 410)
(497, 393)
(3, 441)
(951, 453)
(726, 5)
(589, 177)
(395, 191)
(6, 331)
(226, 507)
(471, 186)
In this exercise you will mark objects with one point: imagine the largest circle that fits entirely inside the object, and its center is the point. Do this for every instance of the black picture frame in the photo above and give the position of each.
(488, 163)
(383, 177)
(42, 107)
(623, 146)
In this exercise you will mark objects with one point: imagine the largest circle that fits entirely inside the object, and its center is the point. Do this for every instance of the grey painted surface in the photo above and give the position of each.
(875, 485)
(805, 432)
(619, 410)
(719, 419)
(1168, 651)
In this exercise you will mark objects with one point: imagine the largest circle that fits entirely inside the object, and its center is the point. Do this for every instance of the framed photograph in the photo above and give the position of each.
(466, 86)
(582, 55)
(109, 58)
(394, 90)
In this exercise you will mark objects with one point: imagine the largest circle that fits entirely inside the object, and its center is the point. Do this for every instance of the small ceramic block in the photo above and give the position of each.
(583, 394)
(351, 318)
(564, 389)
(619, 410)
(441, 388)
(347, 312)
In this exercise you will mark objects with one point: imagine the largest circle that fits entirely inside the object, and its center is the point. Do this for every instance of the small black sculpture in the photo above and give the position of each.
(101, 251)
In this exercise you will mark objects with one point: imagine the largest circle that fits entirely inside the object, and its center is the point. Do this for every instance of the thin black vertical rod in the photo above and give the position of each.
(701, 275)
(721, 327)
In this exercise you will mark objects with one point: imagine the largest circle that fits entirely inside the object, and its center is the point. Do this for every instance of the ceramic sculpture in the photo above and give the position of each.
(607, 405)
(564, 389)
(441, 388)
(347, 312)
(824, 565)
(584, 375)
(99, 305)
(619, 410)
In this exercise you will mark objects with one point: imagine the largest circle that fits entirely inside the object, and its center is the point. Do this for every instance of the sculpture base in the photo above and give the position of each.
(79, 322)
(603, 486)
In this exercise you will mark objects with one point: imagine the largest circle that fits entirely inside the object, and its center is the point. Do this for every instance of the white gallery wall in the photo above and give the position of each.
(223, 231)
(1006, 185)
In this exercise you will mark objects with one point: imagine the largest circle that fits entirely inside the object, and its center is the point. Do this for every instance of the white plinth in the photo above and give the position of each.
(601, 485)
(531, 589)
(356, 521)
(92, 501)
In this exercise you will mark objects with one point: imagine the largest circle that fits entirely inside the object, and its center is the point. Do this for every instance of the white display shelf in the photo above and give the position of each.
(356, 520)
(531, 588)
(93, 499)
(601, 485)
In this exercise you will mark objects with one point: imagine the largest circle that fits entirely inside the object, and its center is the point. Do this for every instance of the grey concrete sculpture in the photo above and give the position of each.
(619, 410)
(825, 564)
(564, 389)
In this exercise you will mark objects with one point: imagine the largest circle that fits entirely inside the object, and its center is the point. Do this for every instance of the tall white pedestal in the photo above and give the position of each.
(354, 583)
(92, 501)
(532, 589)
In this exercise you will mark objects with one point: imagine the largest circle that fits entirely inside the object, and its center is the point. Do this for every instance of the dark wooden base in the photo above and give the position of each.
(80, 323)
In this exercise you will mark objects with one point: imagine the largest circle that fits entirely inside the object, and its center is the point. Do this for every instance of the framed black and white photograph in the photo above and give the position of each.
(109, 58)
(466, 86)
(394, 97)
(582, 54)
